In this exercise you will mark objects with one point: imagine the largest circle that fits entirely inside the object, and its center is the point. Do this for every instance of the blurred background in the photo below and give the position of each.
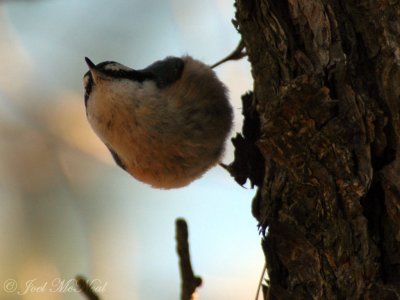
(65, 207)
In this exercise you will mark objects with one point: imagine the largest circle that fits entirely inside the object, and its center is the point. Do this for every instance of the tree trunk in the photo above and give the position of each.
(326, 107)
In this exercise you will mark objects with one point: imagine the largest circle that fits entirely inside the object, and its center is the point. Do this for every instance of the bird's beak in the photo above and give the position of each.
(96, 73)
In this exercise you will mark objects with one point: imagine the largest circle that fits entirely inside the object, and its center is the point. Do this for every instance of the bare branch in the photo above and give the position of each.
(190, 282)
(86, 288)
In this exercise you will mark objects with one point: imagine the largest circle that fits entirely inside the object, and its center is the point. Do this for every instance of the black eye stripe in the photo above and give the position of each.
(131, 74)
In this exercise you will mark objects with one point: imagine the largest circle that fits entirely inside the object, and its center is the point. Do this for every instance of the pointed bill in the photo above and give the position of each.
(96, 74)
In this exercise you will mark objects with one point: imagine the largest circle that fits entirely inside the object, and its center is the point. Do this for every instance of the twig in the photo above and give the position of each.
(190, 282)
(86, 289)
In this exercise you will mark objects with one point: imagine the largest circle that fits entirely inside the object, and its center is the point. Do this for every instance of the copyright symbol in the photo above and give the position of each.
(10, 285)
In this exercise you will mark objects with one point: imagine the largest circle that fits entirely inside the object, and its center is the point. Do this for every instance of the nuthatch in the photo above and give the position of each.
(166, 124)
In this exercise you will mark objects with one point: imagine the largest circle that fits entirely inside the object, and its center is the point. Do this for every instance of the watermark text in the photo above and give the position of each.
(56, 285)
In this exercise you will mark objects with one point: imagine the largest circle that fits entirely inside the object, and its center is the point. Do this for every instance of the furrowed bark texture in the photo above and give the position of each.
(326, 90)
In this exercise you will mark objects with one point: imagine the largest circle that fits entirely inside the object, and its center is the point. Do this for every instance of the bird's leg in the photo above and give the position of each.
(237, 54)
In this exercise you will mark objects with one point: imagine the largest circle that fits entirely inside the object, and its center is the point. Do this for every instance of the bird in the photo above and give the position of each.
(166, 124)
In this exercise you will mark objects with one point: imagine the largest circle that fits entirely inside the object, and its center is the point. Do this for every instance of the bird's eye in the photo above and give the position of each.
(88, 85)
(86, 81)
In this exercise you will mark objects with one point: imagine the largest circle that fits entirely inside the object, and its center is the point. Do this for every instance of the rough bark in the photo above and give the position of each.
(326, 95)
